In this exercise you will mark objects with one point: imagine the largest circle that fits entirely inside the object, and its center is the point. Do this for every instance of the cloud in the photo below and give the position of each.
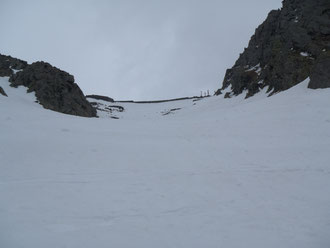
(134, 49)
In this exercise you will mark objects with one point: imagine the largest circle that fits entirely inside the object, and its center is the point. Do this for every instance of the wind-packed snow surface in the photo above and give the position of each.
(212, 173)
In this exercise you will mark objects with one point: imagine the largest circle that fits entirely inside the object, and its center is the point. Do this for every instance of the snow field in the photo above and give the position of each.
(220, 173)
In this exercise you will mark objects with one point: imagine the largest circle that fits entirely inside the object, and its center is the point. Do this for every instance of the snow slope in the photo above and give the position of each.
(220, 173)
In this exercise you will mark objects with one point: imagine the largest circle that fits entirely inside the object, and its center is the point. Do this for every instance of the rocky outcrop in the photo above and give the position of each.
(55, 89)
(2, 92)
(8, 64)
(292, 44)
(98, 97)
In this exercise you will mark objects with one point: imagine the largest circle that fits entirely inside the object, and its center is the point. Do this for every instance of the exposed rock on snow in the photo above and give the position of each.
(103, 107)
(171, 111)
(2, 92)
(55, 89)
(279, 50)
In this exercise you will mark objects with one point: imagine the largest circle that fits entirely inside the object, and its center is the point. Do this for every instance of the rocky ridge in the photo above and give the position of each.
(54, 89)
(99, 97)
(292, 44)
(9, 65)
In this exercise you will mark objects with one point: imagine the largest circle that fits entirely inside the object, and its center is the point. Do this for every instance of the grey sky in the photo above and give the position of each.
(134, 49)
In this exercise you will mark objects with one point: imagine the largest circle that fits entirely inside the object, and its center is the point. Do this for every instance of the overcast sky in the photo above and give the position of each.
(137, 50)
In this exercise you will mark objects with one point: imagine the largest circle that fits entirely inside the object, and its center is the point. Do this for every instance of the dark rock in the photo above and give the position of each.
(5, 71)
(217, 92)
(2, 92)
(115, 107)
(98, 97)
(110, 109)
(54, 89)
(171, 111)
(292, 44)
(227, 95)
(8, 63)
(320, 75)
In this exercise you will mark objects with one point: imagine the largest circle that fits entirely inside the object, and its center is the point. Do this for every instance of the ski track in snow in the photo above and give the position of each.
(220, 173)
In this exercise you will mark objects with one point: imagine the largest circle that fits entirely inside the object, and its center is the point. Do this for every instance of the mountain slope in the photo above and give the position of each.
(55, 89)
(292, 44)
(228, 172)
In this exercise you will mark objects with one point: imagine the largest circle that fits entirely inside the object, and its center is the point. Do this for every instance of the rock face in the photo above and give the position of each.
(292, 44)
(8, 64)
(54, 89)
(320, 75)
